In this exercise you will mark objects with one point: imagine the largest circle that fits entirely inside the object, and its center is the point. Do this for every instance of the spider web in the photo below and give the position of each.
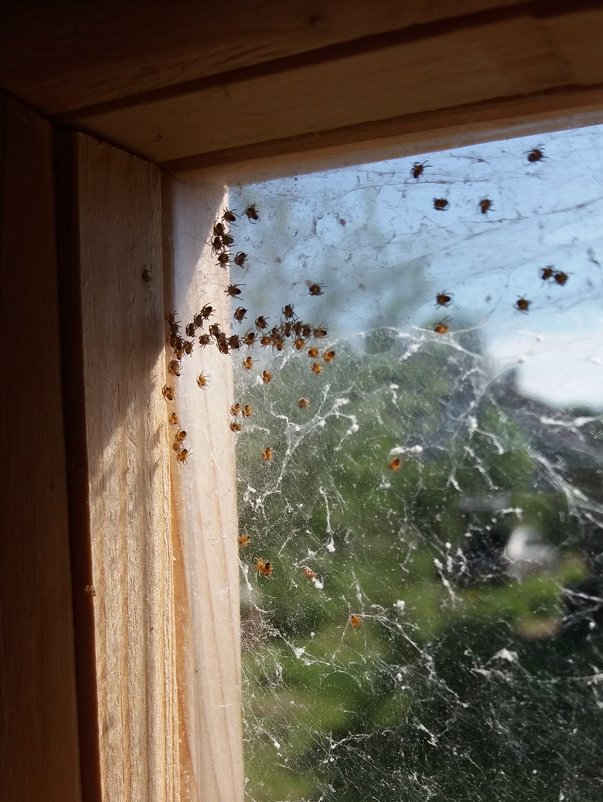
(473, 666)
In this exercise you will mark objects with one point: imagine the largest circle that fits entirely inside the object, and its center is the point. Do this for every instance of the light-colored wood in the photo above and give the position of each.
(411, 135)
(205, 512)
(453, 70)
(119, 253)
(38, 737)
(60, 59)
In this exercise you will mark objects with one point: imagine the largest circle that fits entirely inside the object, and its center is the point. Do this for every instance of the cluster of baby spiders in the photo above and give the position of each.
(549, 274)
(485, 205)
(182, 338)
(222, 238)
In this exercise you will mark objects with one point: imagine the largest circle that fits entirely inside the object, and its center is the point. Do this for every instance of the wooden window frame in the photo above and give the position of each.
(115, 585)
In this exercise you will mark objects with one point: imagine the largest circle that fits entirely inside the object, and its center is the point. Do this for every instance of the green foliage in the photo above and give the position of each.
(444, 692)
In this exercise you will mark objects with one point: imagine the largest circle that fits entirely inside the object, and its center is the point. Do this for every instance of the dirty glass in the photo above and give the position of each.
(419, 476)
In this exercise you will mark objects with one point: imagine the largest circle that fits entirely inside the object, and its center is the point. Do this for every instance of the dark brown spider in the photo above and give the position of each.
(485, 205)
(535, 155)
(443, 299)
(546, 272)
(417, 169)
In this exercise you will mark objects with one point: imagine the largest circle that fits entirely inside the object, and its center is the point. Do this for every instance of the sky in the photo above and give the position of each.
(372, 236)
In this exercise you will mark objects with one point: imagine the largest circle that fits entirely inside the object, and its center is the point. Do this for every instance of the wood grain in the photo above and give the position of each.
(413, 134)
(120, 285)
(205, 513)
(63, 56)
(38, 733)
(337, 100)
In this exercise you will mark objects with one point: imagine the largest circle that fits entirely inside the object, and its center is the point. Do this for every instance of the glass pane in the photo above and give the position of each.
(420, 490)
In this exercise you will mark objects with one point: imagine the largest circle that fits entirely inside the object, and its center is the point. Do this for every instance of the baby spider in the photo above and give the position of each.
(227, 240)
(228, 216)
(235, 426)
(315, 289)
(235, 409)
(443, 299)
(249, 338)
(263, 567)
(485, 205)
(313, 352)
(239, 314)
(251, 213)
(234, 342)
(222, 344)
(202, 380)
(266, 377)
(191, 329)
(535, 155)
(394, 464)
(417, 169)
(247, 411)
(328, 356)
(218, 229)
(309, 573)
(240, 258)
(175, 367)
(560, 277)
(180, 436)
(261, 323)
(243, 540)
(233, 290)
(522, 304)
(303, 403)
(441, 327)
(547, 272)
(204, 339)
(316, 368)
(174, 420)
(288, 311)
(267, 454)
(355, 621)
(224, 258)
(168, 392)
(319, 333)
(299, 343)
(248, 363)
(441, 204)
(183, 455)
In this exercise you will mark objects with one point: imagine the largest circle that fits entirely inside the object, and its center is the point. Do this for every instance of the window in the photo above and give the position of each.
(421, 552)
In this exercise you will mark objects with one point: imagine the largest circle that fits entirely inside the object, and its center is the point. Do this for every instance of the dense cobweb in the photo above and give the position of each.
(420, 496)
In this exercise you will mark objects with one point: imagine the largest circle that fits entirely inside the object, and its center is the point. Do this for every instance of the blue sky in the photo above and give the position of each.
(372, 236)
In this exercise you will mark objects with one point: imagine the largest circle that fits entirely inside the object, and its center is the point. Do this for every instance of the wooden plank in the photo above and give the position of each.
(119, 281)
(205, 513)
(411, 135)
(454, 68)
(61, 60)
(38, 737)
